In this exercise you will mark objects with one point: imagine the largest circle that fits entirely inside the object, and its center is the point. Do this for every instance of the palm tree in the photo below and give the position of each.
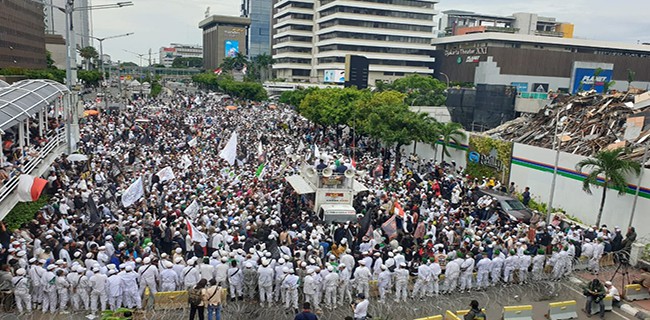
(609, 165)
(264, 62)
(88, 53)
(450, 132)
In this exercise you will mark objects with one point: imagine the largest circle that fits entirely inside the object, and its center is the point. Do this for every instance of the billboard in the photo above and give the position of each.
(334, 76)
(521, 86)
(586, 77)
(232, 48)
(487, 157)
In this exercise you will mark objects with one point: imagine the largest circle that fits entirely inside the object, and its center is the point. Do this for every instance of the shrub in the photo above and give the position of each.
(24, 212)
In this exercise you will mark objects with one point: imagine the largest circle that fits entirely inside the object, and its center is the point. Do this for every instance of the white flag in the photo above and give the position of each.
(186, 162)
(301, 147)
(260, 149)
(195, 234)
(316, 152)
(166, 174)
(133, 193)
(193, 142)
(229, 152)
(192, 210)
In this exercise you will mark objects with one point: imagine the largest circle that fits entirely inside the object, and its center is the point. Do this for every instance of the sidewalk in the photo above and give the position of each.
(619, 281)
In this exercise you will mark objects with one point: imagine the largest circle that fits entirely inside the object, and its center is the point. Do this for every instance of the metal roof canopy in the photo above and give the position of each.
(25, 98)
(299, 184)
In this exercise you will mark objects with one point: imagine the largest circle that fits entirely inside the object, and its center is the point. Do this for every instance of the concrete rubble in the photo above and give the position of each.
(587, 123)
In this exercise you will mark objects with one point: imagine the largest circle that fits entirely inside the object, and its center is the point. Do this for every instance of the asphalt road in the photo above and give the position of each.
(539, 295)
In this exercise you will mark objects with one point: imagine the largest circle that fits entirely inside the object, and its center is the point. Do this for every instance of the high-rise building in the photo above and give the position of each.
(456, 23)
(22, 36)
(312, 37)
(223, 36)
(55, 21)
(259, 36)
(176, 50)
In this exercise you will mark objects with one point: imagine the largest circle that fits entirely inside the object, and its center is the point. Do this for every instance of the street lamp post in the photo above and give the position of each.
(446, 78)
(71, 57)
(638, 184)
(556, 148)
(101, 60)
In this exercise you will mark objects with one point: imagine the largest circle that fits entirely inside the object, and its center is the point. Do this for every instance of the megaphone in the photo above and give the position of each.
(349, 173)
(327, 172)
(310, 172)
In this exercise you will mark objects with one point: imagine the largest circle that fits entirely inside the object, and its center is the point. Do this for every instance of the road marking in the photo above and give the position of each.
(613, 311)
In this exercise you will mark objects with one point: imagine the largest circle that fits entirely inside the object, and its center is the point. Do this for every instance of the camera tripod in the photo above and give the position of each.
(623, 269)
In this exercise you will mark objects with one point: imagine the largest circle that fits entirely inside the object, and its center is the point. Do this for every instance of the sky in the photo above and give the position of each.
(157, 23)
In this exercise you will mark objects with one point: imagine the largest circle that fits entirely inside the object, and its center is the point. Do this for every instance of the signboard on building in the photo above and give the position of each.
(468, 51)
(490, 158)
(232, 48)
(521, 86)
(334, 76)
(587, 76)
(540, 87)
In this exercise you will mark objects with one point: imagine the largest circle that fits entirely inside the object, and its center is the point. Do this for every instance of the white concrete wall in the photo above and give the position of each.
(568, 192)
(426, 151)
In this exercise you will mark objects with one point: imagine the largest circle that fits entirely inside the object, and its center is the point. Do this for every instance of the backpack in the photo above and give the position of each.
(194, 296)
(479, 316)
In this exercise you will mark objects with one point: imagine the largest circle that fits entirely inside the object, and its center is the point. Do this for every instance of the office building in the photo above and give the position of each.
(223, 36)
(260, 12)
(22, 36)
(540, 64)
(55, 21)
(456, 23)
(176, 50)
(311, 38)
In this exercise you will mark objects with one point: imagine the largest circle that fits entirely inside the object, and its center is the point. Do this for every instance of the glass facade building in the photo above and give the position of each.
(259, 38)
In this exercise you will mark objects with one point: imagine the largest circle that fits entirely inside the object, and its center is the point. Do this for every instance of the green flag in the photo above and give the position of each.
(261, 171)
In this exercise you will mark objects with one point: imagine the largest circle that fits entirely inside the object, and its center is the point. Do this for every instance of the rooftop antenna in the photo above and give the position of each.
(207, 12)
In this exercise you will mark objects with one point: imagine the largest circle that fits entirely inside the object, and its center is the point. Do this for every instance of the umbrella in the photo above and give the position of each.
(77, 157)
(88, 113)
(231, 108)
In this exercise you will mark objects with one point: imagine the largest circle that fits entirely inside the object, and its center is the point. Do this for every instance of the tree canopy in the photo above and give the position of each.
(420, 90)
(189, 62)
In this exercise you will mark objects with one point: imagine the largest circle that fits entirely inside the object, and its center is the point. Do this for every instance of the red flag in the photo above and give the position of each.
(218, 71)
(29, 188)
(390, 227)
(398, 210)
(354, 163)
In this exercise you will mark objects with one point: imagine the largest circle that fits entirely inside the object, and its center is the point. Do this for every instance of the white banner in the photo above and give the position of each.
(192, 210)
(133, 193)
(166, 174)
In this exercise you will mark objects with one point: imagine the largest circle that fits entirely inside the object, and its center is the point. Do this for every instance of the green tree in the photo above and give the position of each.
(50, 61)
(420, 90)
(294, 97)
(88, 53)
(450, 132)
(90, 78)
(262, 65)
(609, 165)
(331, 107)
(630, 78)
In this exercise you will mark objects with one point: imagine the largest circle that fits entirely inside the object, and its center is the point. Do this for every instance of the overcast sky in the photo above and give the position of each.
(158, 23)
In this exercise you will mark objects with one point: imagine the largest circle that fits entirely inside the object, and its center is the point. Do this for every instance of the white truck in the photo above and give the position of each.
(333, 193)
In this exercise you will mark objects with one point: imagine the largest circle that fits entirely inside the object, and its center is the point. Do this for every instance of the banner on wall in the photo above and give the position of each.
(232, 48)
(490, 158)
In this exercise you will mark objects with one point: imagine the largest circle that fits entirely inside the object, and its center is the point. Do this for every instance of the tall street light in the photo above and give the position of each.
(638, 183)
(70, 72)
(101, 59)
(556, 147)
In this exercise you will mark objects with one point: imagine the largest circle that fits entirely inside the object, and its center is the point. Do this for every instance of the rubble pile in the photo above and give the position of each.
(587, 123)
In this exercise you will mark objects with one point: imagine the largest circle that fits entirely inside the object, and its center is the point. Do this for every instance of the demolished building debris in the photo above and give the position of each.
(587, 123)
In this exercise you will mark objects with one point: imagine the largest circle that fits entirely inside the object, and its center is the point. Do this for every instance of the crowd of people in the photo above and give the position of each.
(202, 223)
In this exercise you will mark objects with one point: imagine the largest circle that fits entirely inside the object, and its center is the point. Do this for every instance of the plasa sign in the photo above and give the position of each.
(585, 79)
